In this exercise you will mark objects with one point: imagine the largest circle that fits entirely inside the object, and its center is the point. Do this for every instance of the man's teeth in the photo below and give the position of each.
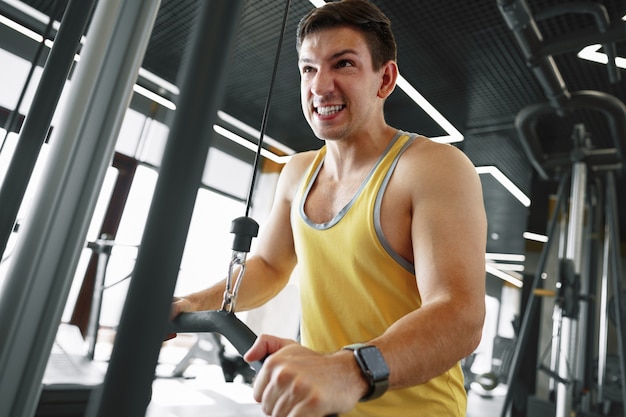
(328, 110)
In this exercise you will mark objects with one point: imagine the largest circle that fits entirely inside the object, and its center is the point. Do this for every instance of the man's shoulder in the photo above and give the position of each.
(293, 171)
(425, 148)
(426, 158)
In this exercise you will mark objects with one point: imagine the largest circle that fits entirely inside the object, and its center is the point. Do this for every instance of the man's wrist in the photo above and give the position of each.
(354, 379)
(373, 369)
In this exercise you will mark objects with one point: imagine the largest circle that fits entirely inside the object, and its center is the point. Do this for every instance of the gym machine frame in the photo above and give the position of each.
(571, 309)
(571, 329)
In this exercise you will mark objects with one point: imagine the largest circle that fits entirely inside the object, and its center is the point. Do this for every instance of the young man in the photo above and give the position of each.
(387, 230)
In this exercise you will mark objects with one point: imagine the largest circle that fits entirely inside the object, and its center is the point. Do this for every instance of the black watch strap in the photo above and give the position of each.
(373, 367)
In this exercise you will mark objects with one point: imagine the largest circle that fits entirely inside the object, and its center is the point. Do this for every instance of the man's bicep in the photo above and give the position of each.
(448, 232)
(275, 244)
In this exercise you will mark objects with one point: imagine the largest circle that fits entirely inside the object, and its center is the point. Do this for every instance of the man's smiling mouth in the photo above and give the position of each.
(328, 110)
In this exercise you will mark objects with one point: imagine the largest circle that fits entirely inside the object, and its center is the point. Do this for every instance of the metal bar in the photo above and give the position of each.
(13, 116)
(222, 322)
(532, 304)
(604, 309)
(569, 329)
(37, 123)
(616, 275)
(518, 17)
(53, 235)
(102, 247)
(146, 310)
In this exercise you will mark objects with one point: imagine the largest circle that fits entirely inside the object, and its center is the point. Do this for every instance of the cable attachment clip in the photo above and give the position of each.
(244, 229)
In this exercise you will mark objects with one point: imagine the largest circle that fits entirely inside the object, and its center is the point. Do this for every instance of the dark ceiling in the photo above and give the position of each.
(460, 55)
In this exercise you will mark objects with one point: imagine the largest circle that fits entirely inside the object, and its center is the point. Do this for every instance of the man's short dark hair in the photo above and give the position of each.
(359, 14)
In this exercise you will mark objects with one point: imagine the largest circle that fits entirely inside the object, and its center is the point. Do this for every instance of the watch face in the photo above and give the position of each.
(375, 362)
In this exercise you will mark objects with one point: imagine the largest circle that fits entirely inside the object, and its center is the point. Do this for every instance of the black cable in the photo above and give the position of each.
(266, 110)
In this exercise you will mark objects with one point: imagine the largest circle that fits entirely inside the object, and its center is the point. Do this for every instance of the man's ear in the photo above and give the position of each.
(389, 78)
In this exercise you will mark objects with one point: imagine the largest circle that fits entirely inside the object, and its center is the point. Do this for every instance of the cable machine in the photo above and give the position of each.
(589, 171)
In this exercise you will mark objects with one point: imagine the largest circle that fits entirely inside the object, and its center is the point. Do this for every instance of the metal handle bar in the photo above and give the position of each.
(222, 322)
(217, 321)
(611, 107)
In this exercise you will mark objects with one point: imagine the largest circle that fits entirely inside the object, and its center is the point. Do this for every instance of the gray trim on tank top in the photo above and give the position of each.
(377, 206)
(377, 225)
(344, 210)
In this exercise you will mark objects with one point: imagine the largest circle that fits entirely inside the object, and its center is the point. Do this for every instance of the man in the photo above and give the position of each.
(387, 230)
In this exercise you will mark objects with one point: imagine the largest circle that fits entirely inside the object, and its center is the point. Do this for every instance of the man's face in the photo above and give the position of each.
(338, 86)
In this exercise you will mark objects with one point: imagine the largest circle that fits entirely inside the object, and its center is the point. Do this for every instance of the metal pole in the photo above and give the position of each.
(603, 320)
(35, 128)
(48, 248)
(126, 392)
(102, 247)
(612, 221)
(16, 110)
(521, 340)
(569, 329)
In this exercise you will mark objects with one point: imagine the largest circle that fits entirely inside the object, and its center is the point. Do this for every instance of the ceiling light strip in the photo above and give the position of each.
(507, 267)
(154, 97)
(21, 29)
(453, 134)
(253, 132)
(166, 85)
(32, 12)
(590, 53)
(249, 145)
(535, 236)
(506, 183)
(504, 276)
(508, 257)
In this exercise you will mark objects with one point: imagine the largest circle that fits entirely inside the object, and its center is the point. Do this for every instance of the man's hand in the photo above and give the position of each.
(179, 305)
(295, 381)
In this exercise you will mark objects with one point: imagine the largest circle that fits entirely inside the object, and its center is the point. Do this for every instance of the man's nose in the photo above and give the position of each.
(323, 83)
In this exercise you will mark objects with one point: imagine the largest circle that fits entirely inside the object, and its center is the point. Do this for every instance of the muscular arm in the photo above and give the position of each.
(448, 233)
(268, 270)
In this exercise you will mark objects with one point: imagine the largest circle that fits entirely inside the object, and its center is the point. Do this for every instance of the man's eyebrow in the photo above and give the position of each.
(333, 56)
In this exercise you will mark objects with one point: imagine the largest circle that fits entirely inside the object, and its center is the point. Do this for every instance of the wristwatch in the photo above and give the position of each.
(373, 367)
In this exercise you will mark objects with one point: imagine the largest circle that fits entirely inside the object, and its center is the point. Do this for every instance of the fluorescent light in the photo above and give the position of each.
(21, 29)
(453, 134)
(154, 97)
(506, 183)
(503, 275)
(249, 145)
(32, 12)
(590, 53)
(253, 132)
(507, 267)
(143, 72)
(535, 236)
(507, 257)
(166, 85)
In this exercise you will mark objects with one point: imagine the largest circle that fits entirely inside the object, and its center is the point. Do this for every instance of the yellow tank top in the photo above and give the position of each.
(353, 286)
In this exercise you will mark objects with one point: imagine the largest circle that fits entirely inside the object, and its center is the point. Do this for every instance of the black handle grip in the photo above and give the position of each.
(222, 322)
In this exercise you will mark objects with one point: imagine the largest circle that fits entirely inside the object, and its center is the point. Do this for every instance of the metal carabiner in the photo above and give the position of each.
(238, 259)
(244, 228)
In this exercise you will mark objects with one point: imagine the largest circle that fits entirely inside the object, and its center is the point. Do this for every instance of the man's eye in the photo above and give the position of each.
(306, 69)
(344, 63)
